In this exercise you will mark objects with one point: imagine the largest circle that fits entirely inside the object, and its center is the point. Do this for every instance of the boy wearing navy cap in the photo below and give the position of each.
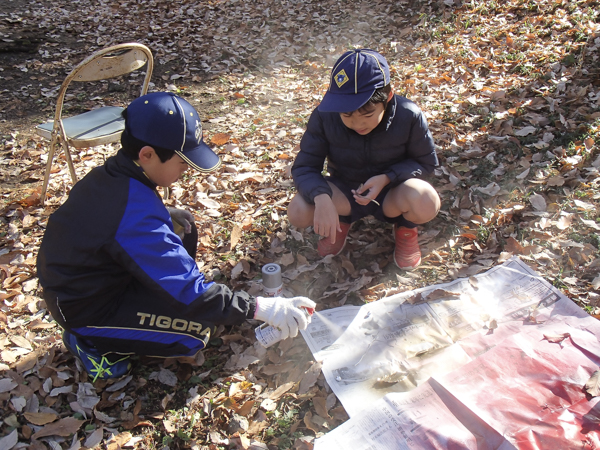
(114, 273)
(378, 150)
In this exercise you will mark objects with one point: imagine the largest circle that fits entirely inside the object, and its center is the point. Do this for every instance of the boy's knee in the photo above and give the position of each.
(427, 205)
(429, 202)
(300, 214)
(416, 199)
(430, 207)
(430, 199)
(417, 191)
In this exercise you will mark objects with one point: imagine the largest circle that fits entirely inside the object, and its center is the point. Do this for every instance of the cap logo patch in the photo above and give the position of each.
(198, 133)
(341, 78)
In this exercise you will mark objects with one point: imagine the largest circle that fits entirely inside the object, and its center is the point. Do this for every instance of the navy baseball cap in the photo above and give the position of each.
(354, 78)
(164, 120)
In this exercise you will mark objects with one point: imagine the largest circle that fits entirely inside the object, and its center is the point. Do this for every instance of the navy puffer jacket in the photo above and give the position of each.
(401, 147)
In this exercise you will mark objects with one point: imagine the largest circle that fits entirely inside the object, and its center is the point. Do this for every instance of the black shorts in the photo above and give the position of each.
(359, 211)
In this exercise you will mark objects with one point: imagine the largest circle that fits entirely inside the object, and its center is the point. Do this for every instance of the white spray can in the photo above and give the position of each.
(271, 280)
(268, 335)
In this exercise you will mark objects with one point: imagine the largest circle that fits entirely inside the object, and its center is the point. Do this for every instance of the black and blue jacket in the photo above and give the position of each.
(112, 242)
(401, 147)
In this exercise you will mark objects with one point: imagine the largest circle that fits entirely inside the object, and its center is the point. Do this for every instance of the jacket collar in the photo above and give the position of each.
(388, 117)
(125, 165)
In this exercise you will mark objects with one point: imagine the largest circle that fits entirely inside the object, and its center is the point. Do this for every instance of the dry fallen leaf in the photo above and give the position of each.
(240, 441)
(474, 282)
(556, 339)
(236, 235)
(95, 438)
(10, 440)
(209, 203)
(564, 221)
(272, 369)
(259, 423)
(119, 441)
(287, 259)
(321, 406)
(589, 143)
(436, 294)
(21, 342)
(525, 131)
(310, 378)
(32, 199)
(592, 386)
(556, 181)
(40, 418)
(281, 390)
(7, 384)
(415, 299)
(538, 202)
(246, 408)
(309, 423)
(220, 139)
(513, 246)
(64, 427)
(169, 426)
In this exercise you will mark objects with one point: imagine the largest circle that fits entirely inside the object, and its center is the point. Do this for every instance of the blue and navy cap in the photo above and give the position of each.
(164, 120)
(354, 78)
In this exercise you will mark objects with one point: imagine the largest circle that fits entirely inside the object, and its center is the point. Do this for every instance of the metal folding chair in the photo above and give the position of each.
(98, 126)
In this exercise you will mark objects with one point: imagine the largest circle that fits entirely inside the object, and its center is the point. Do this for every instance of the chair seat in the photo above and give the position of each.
(97, 127)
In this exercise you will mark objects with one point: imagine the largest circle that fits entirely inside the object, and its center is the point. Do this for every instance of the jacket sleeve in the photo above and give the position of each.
(308, 165)
(221, 306)
(421, 158)
(147, 246)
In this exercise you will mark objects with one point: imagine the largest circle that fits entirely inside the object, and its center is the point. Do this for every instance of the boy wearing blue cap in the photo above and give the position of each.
(378, 149)
(115, 274)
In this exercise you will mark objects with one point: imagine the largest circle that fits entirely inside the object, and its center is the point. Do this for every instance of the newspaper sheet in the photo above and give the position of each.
(525, 393)
(326, 327)
(395, 353)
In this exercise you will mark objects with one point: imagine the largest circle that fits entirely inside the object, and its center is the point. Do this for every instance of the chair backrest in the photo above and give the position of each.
(110, 62)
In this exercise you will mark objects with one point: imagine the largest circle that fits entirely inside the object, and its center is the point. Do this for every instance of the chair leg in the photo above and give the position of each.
(51, 151)
(69, 161)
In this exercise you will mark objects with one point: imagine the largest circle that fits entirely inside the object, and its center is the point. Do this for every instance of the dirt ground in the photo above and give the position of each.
(23, 76)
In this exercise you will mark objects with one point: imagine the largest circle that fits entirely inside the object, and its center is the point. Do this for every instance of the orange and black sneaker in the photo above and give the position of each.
(325, 247)
(407, 254)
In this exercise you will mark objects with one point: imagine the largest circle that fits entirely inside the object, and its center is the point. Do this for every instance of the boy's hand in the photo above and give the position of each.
(369, 191)
(284, 313)
(183, 218)
(326, 220)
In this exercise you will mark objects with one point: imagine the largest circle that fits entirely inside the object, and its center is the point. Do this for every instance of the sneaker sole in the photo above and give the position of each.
(409, 268)
(334, 254)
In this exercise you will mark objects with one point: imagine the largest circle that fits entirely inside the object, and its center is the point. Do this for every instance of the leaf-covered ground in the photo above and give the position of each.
(511, 91)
